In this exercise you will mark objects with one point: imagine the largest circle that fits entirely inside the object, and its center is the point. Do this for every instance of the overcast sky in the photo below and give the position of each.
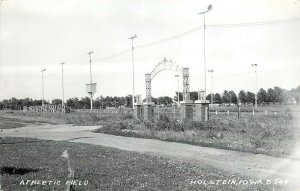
(37, 34)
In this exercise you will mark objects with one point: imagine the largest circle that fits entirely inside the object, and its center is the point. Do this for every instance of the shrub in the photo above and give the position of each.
(117, 125)
(164, 118)
(127, 116)
(196, 125)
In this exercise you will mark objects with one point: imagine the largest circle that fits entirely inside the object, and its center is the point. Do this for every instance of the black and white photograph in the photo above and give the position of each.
(196, 95)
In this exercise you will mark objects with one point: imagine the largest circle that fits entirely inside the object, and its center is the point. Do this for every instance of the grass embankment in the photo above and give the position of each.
(272, 135)
(105, 169)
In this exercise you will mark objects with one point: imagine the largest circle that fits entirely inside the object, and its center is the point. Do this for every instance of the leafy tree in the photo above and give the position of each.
(226, 97)
(271, 95)
(56, 102)
(278, 94)
(73, 103)
(218, 98)
(233, 97)
(166, 100)
(250, 97)
(153, 99)
(208, 97)
(262, 96)
(27, 102)
(39, 102)
(5, 103)
(243, 97)
(85, 103)
(128, 101)
(15, 104)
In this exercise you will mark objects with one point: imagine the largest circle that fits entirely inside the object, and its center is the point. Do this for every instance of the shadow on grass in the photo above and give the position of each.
(17, 171)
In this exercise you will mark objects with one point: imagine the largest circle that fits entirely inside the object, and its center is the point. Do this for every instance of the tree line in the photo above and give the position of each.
(82, 103)
(264, 97)
(269, 96)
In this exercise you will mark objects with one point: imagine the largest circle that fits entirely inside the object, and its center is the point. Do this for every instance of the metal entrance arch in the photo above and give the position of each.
(168, 65)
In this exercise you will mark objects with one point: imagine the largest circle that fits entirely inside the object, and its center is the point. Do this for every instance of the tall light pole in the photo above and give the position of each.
(89, 53)
(255, 67)
(132, 57)
(177, 76)
(212, 86)
(204, 59)
(62, 81)
(43, 70)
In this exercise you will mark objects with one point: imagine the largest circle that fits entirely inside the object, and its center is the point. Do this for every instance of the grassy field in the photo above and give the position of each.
(105, 168)
(274, 135)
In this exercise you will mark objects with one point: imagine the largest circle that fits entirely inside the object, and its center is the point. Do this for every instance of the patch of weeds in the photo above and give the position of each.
(117, 125)
(127, 116)
(257, 142)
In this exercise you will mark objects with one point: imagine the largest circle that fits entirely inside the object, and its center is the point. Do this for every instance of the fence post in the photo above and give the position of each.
(174, 112)
(216, 112)
(158, 113)
(266, 112)
(227, 112)
(253, 112)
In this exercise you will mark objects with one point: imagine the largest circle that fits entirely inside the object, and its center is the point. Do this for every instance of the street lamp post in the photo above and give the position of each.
(91, 52)
(204, 59)
(177, 76)
(62, 81)
(212, 86)
(255, 70)
(132, 57)
(43, 70)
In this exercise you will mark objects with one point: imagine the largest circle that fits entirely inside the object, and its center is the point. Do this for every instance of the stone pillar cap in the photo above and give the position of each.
(202, 101)
(148, 103)
(187, 102)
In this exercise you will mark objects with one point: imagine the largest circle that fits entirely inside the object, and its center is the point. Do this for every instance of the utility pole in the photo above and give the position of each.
(91, 52)
(204, 58)
(212, 86)
(62, 81)
(255, 67)
(43, 70)
(177, 76)
(132, 57)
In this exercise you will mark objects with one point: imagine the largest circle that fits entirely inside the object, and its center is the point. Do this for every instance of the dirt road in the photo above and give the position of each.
(253, 165)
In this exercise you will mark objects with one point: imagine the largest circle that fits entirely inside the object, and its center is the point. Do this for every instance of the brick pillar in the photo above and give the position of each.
(138, 111)
(201, 110)
(187, 109)
(148, 111)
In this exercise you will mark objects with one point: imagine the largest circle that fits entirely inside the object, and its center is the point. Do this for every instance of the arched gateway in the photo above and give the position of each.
(168, 65)
(197, 111)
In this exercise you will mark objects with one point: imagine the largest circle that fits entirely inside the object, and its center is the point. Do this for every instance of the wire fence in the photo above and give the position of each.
(175, 113)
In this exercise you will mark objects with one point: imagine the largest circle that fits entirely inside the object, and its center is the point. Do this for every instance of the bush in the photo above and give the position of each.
(127, 116)
(164, 118)
(196, 125)
(117, 125)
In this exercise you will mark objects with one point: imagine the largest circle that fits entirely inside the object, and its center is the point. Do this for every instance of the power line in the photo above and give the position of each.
(263, 23)
(180, 35)
(186, 33)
